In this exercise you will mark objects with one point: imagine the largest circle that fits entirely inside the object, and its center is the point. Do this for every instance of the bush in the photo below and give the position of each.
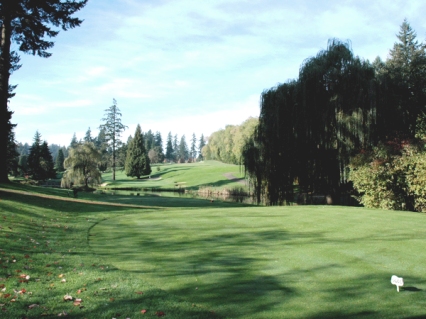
(391, 176)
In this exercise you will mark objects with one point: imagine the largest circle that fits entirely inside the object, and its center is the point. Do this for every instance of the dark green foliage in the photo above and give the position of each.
(169, 148)
(137, 160)
(182, 150)
(59, 163)
(309, 128)
(113, 128)
(40, 162)
(102, 146)
(201, 144)
(88, 136)
(12, 155)
(193, 150)
(27, 24)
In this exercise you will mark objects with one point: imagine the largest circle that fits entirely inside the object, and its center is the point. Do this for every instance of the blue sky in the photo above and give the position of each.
(188, 66)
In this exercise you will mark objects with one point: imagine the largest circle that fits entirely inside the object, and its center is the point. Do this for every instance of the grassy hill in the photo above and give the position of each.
(191, 176)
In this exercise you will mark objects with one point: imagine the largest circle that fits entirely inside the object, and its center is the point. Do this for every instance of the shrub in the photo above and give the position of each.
(391, 176)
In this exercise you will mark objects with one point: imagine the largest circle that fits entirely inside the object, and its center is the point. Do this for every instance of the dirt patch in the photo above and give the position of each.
(233, 178)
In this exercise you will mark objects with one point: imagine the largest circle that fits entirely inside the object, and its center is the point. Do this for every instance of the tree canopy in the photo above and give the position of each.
(28, 24)
(310, 128)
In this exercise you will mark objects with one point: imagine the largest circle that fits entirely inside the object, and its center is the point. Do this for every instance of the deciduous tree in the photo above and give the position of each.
(82, 166)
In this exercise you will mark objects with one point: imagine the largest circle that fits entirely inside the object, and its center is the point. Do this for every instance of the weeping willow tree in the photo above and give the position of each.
(82, 166)
(308, 128)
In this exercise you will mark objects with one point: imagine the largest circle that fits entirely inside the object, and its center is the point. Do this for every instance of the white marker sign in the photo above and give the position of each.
(397, 281)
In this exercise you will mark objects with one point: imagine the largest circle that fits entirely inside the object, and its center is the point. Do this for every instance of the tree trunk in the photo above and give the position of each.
(5, 115)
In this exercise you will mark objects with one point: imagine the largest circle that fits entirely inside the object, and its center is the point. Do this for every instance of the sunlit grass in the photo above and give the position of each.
(190, 176)
(270, 262)
(198, 259)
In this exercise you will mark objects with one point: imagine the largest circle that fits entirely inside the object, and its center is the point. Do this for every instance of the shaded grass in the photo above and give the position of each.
(196, 259)
(47, 240)
(270, 262)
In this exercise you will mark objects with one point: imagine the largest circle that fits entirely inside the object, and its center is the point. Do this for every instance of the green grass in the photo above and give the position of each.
(196, 259)
(189, 176)
(276, 262)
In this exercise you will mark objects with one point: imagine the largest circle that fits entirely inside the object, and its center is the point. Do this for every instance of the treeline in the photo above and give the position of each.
(312, 128)
(226, 145)
(83, 160)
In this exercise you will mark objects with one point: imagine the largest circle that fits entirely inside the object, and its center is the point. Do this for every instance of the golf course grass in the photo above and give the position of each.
(276, 262)
(155, 256)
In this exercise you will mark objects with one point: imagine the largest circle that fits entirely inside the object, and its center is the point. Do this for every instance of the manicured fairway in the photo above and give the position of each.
(275, 262)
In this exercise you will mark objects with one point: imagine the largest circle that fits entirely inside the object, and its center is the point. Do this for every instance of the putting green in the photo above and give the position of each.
(276, 262)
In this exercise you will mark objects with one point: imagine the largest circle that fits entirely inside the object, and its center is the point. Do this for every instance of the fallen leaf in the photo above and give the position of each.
(67, 297)
(160, 313)
(139, 292)
(143, 311)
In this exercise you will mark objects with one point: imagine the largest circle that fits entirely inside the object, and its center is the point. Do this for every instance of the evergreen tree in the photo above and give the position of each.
(59, 163)
(159, 146)
(201, 144)
(12, 155)
(193, 151)
(27, 23)
(74, 141)
(40, 163)
(102, 146)
(137, 160)
(183, 152)
(113, 130)
(175, 148)
(22, 165)
(149, 139)
(405, 79)
(88, 136)
(169, 148)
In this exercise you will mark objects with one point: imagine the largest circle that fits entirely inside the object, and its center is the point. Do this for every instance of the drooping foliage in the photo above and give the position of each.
(81, 166)
(308, 128)
(340, 105)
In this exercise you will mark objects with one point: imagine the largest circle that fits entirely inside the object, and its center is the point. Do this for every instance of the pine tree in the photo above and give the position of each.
(183, 152)
(201, 144)
(113, 130)
(169, 148)
(406, 98)
(40, 162)
(27, 23)
(193, 150)
(137, 160)
(59, 163)
(88, 136)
